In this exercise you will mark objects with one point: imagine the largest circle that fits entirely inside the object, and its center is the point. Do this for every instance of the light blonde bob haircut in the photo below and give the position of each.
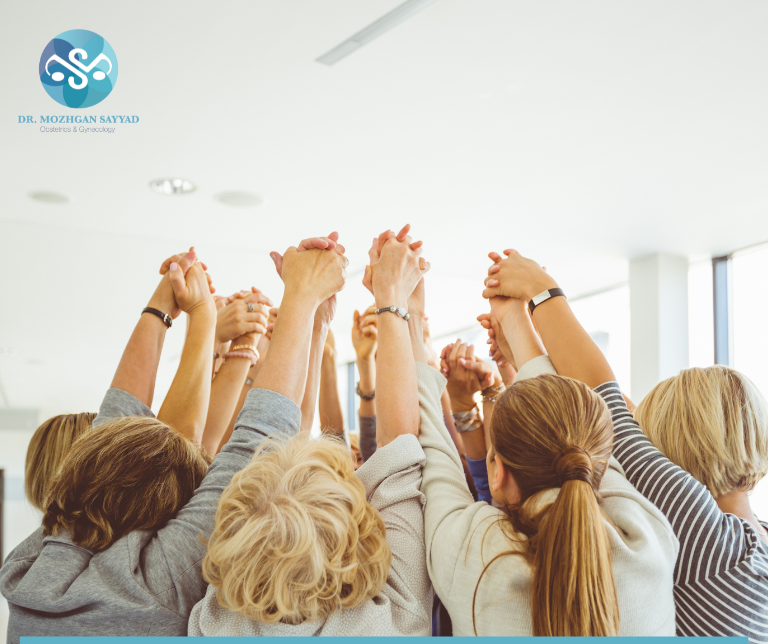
(713, 423)
(49, 445)
(295, 538)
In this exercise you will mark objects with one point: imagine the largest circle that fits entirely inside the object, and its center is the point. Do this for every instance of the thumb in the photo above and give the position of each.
(176, 275)
(278, 259)
(356, 318)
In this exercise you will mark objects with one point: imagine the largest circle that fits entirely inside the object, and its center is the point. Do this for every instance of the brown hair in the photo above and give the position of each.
(295, 538)
(554, 432)
(133, 473)
(713, 423)
(49, 445)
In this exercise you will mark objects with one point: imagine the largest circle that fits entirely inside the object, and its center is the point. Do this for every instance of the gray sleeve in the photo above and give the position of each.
(392, 479)
(118, 404)
(367, 436)
(178, 545)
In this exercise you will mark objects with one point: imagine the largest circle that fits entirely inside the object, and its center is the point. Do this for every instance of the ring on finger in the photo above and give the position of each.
(250, 307)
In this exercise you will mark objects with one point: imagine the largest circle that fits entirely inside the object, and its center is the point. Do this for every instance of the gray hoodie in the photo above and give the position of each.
(147, 582)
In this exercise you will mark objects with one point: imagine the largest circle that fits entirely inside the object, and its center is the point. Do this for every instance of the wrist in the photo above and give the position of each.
(390, 297)
(162, 303)
(537, 286)
(461, 403)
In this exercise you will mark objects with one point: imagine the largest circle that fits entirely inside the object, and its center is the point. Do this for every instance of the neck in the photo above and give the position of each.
(737, 503)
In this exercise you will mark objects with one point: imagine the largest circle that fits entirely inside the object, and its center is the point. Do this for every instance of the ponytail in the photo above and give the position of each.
(573, 591)
(555, 437)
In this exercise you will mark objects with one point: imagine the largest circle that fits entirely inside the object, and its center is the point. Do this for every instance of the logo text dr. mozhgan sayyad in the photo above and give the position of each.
(80, 118)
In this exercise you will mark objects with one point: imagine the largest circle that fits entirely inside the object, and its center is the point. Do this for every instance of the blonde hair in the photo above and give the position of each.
(554, 432)
(713, 423)
(132, 473)
(49, 445)
(295, 537)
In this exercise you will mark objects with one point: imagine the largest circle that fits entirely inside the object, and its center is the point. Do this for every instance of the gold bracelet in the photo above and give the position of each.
(247, 347)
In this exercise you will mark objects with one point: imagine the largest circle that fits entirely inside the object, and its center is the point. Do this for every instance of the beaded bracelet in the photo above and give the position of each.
(243, 354)
(491, 394)
(247, 347)
(467, 421)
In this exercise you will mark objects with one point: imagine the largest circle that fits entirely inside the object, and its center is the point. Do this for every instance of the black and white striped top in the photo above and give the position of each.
(721, 574)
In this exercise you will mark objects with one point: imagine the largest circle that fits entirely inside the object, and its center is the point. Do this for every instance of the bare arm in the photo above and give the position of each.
(137, 371)
(226, 392)
(329, 405)
(186, 405)
(309, 404)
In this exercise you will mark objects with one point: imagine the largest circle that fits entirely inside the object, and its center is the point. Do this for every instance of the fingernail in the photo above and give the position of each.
(488, 341)
(190, 255)
(462, 362)
(174, 266)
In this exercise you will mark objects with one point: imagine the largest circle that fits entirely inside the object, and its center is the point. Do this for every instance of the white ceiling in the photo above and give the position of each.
(582, 133)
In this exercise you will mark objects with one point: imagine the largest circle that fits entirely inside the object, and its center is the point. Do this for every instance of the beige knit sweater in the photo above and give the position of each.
(463, 536)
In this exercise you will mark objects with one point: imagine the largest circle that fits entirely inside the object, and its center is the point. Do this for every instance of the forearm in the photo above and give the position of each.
(572, 352)
(366, 368)
(416, 334)
(309, 403)
(186, 406)
(397, 402)
(137, 370)
(285, 367)
(445, 404)
(226, 391)
(329, 405)
(487, 416)
(521, 335)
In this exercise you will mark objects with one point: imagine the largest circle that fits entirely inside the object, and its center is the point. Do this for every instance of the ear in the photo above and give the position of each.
(500, 476)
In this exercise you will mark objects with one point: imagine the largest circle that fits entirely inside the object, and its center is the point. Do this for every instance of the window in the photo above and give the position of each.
(750, 333)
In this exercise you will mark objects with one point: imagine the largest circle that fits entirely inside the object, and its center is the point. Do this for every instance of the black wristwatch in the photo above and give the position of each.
(167, 319)
(544, 296)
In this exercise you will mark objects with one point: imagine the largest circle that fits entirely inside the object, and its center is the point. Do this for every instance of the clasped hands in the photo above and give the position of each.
(512, 281)
(315, 271)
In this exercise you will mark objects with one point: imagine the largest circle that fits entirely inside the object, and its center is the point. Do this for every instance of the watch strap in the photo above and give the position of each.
(167, 319)
(544, 296)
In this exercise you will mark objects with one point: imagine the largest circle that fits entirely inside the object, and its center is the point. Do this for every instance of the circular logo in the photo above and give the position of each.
(78, 68)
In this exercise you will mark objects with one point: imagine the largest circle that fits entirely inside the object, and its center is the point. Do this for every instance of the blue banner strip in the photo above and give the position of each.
(378, 640)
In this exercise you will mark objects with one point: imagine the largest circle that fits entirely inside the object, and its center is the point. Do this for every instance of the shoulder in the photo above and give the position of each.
(638, 522)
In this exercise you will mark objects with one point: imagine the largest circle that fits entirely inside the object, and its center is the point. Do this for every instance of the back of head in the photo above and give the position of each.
(49, 445)
(132, 473)
(553, 432)
(713, 423)
(295, 537)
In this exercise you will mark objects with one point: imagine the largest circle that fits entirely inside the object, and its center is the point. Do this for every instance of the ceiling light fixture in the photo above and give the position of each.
(49, 197)
(172, 186)
(375, 29)
(239, 199)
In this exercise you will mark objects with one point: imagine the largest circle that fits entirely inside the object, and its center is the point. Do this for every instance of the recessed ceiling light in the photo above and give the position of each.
(375, 29)
(172, 186)
(48, 197)
(239, 199)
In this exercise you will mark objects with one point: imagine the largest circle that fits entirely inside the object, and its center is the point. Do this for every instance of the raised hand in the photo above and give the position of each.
(466, 374)
(322, 243)
(314, 274)
(192, 289)
(500, 350)
(244, 314)
(395, 267)
(365, 333)
(516, 276)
